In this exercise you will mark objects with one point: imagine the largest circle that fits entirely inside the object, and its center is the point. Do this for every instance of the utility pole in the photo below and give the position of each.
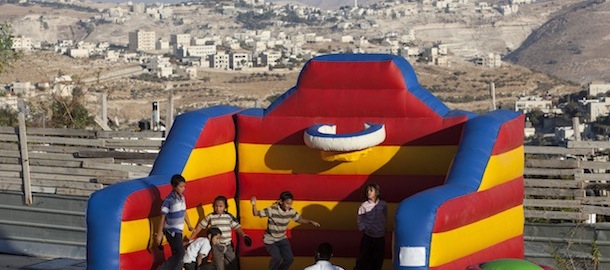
(492, 92)
(170, 111)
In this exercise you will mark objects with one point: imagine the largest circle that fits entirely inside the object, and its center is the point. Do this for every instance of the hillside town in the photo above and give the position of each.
(269, 41)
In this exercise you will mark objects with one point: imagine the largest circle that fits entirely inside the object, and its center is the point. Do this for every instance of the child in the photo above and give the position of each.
(224, 221)
(372, 219)
(199, 249)
(323, 255)
(275, 239)
(173, 216)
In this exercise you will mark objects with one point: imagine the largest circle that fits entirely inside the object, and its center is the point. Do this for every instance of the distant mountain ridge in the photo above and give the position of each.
(574, 45)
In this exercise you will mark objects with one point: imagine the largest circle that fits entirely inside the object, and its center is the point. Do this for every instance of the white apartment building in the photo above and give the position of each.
(188, 72)
(160, 66)
(270, 58)
(597, 108)
(162, 45)
(142, 41)
(138, 8)
(597, 87)
(177, 40)
(522, 1)
(78, 53)
(489, 60)
(63, 86)
(259, 46)
(239, 61)
(347, 39)
(22, 88)
(529, 103)
(409, 52)
(21, 43)
(202, 51)
(219, 61)
(263, 35)
(9, 102)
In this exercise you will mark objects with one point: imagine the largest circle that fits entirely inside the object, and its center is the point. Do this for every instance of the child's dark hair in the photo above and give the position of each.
(213, 231)
(286, 195)
(325, 251)
(177, 179)
(375, 187)
(224, 200)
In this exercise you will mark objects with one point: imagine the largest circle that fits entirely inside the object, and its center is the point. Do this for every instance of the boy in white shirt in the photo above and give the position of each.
(325, 251)
(198, 250)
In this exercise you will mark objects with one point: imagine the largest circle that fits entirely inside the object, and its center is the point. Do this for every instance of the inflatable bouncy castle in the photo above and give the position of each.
(453, 180)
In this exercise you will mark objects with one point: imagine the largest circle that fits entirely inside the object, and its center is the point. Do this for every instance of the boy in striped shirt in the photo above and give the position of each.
(173, 216)
(223, 252)
(275, 240)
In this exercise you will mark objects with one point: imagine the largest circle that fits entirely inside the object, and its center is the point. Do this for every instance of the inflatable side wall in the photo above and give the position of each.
(122, 217)
(452, 180)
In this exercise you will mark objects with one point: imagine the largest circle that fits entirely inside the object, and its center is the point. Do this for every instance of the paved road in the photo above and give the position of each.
(16, 262)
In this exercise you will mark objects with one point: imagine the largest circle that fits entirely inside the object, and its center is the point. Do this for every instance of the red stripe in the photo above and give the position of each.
(399, 131)
(352, 89)
(452, 213)
(147, 202)
(343, 188)
(511, 248)
(216, 131)
(305, 242)
(510, 137)
(144, 259)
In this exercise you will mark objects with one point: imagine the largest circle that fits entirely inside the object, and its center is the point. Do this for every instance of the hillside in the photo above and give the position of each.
(464, 87)
(573, 45)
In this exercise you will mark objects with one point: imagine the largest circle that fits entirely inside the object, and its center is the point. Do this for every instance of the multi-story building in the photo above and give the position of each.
(219, 61)
(202, 51)
(21, 43)
(78, 53)
(529, 103)
(489, 60)
(10, 102)
(597, 87)
(23, 89)
(598, 108)
(177, 40)
(160, 66)
(142, 41)
(270, 58)
(239, 61)
(162, 45)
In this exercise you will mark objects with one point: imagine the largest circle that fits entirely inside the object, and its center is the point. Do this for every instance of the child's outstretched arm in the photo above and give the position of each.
(253, 202)
(159, 234)
(188, 222)
(308, 221)
(241, 232)
(198, 228)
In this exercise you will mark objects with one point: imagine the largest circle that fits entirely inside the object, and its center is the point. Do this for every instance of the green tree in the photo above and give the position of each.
(8, 117)
(70, 112)
(7, 54)
(536, 117)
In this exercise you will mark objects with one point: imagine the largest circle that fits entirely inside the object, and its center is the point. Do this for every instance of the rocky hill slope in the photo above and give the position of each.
(573, 45)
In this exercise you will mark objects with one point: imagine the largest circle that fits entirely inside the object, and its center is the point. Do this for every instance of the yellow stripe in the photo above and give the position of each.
(330, 215)
(503, 168)
(137, 235)
(210, 161)
(452, 245)
(259, 262)
(382, 160)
